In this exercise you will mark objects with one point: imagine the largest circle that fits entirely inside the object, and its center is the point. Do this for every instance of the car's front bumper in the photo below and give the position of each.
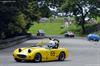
(23, 57)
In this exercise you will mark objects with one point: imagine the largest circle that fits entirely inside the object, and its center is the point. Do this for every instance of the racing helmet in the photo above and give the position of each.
(51, 44)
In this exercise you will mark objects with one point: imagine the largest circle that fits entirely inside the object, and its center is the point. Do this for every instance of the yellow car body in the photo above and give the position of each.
(38, 54)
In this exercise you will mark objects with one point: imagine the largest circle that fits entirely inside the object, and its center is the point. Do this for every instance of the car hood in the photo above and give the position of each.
(24, 51)
(33, 48)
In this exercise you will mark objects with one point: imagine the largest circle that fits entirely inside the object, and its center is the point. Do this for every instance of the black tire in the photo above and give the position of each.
(96, 40)
(37, 58)
(72, 36)
(18, 60)
(66, 35)
(61, 56)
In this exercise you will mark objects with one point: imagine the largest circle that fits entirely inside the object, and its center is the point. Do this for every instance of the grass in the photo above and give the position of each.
(50, 28)
(73, 28)
(54, 27)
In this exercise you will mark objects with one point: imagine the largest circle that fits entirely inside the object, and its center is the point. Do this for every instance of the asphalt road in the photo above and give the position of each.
(81, 53)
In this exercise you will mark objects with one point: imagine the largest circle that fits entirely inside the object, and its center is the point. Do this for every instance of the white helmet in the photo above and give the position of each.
(52, 43)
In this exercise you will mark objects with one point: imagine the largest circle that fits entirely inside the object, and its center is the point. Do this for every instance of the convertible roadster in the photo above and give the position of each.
(40, 53)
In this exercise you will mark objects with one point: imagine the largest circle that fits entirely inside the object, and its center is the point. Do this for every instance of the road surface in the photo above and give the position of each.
(81, 53)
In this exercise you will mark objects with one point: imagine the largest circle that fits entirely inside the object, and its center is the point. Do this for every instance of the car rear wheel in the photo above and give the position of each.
(37, 57)
(97, 40)
(66, 35)
(18, 60)
(72, 36)
(61, 56)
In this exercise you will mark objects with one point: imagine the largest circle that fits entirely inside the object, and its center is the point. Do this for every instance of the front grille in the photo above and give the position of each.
(21, 56)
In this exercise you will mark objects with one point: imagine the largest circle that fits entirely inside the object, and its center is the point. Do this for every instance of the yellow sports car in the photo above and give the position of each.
(41, 53)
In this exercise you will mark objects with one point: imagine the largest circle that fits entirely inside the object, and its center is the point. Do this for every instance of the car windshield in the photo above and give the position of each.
(41, 44)
(46, 45)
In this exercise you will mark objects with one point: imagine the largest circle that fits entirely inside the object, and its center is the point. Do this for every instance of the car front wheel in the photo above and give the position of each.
(18, 60)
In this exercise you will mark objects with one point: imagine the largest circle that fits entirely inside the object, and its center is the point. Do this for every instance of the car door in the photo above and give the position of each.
(52, 54)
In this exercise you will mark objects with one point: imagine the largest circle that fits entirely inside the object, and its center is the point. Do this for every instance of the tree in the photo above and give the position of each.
(44, 6)
(82, 9)
(56, 3)
(45, 11)
(16, 16)
(7, 12)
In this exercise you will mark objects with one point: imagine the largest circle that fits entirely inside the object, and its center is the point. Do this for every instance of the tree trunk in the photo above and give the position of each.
(83, 29)
(82, 18)
(83, 25)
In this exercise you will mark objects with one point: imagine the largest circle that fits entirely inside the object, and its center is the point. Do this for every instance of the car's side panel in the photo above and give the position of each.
(53, 54)
(47, 54)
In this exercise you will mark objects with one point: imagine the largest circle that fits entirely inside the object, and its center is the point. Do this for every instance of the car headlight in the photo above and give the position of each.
(29, 51)
(19, 50)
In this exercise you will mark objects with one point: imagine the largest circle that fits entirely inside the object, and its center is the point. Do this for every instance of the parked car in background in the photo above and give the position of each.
(93, 37)
(44, 19)
(69, 34)
(40, 32)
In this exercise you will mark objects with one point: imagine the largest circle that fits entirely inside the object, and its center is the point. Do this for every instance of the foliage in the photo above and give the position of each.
(55, 2)
(45, 11)
(16, 16)
(7, 13)
(82, 9)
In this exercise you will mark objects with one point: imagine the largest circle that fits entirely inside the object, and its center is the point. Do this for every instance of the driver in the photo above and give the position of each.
(53, 43)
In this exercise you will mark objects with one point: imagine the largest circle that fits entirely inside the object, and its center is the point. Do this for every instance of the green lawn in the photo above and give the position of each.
(53, 28)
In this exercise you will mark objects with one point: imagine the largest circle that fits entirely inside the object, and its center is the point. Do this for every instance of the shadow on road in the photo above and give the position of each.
(43, 61)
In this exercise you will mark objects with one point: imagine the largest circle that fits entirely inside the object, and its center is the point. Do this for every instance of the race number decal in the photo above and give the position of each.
(52, 53)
